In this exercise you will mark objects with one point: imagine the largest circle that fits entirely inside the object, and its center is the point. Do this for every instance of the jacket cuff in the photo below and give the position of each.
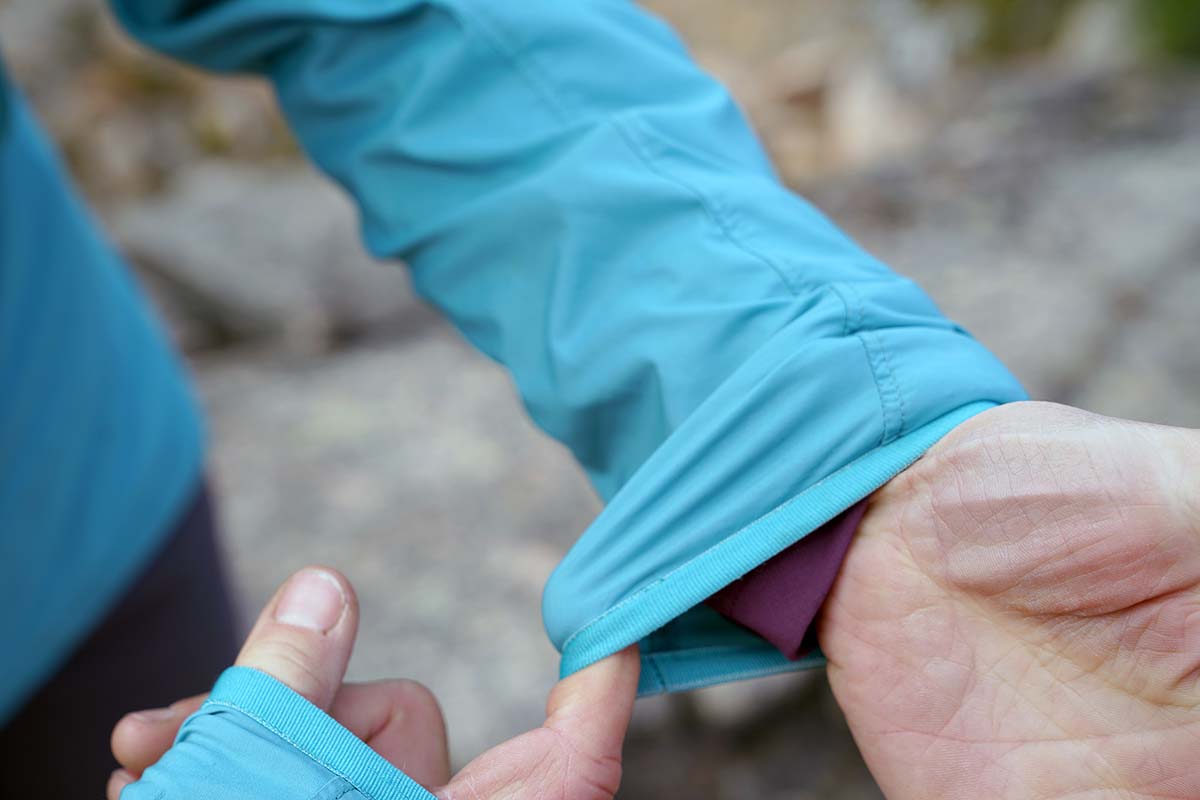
(687, 646)
(255, 738)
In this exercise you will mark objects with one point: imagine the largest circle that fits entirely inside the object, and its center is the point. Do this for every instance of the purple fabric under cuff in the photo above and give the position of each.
(780, 599)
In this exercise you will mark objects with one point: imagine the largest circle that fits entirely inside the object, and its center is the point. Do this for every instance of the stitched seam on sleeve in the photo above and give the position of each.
(345, 786)
(894, 377)
(273, 729)
(658, 674)
(534, 77)
(542, 85)
(883, 408)
(883, 373)
(885, 385)
(625, 126)
(725, 543)
(733, 540)
(837, 292)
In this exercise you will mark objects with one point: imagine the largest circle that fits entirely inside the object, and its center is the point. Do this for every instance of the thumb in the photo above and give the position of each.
(304, 636)
(575, 755)
(592, 707)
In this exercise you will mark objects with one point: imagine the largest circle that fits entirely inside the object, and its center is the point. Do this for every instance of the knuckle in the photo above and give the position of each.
(413, 699)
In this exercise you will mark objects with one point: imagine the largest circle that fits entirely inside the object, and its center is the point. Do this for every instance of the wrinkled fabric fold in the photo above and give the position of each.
(592, 210)
(256, 739)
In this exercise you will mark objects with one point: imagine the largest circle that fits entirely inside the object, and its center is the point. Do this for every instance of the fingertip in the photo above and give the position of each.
(593, 706)
(615, 676)
(304, 636)
(141, 737)
(117, 783)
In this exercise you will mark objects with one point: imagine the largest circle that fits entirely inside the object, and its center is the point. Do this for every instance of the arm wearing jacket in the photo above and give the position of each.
(592, 210)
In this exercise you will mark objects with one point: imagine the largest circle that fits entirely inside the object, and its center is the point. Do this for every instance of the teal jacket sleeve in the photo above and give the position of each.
(256, 739)
(592, 210)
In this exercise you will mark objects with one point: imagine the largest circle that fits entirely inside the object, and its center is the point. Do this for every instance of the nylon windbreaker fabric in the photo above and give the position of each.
(256, 739)
(100, 437)
(592, 210)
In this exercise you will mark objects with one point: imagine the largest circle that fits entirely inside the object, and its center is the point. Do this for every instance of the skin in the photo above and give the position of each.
(574, 755)
(1018, 617)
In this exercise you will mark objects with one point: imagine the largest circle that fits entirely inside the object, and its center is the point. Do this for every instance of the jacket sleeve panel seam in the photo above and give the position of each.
(623, 122)
(275, 730)
(883, 374)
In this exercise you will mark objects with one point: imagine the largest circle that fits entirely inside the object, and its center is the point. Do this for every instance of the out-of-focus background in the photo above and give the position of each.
(1035, 164)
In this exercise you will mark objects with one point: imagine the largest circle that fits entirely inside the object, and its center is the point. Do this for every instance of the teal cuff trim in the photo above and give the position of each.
(684, 670)
(671, 595)
(310, 730)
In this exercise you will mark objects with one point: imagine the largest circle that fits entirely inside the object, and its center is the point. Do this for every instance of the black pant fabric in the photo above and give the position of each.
(169, 637)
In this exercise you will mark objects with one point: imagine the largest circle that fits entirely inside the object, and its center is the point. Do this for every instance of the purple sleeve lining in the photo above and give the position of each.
(779, 599)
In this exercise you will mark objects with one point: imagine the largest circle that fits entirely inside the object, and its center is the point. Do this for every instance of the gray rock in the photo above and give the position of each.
(1152, 372)
(36, 36)
(262, 253)
(1045, 245)
(739, 704)
(794, 745)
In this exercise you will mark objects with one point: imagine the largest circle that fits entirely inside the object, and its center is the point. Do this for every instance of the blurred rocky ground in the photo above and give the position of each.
(1049, 200)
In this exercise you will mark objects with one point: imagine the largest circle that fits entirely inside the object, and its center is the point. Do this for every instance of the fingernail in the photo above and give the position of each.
(312, 599)
(154, 715)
